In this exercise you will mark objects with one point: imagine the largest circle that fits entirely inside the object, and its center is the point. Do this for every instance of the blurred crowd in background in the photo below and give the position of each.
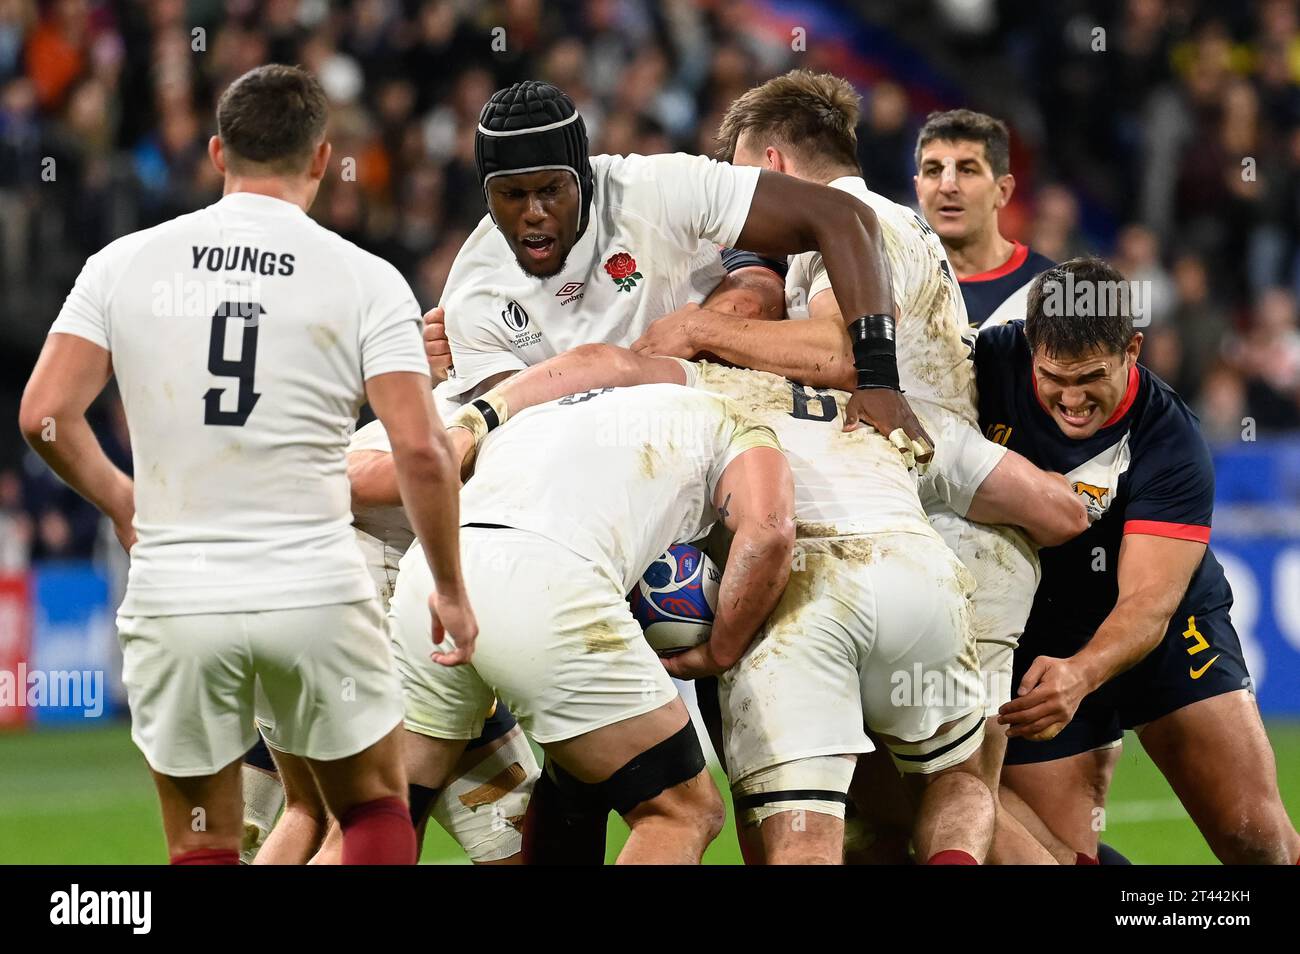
(1164, 134)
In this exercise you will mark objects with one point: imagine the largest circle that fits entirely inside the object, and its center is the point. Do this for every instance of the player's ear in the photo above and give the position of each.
(320, 160)
(1134, 348)
(216, 155)
(1006, 186)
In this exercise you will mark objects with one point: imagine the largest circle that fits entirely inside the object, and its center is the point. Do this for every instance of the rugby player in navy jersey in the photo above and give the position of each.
(1130, 626)
(963, 179)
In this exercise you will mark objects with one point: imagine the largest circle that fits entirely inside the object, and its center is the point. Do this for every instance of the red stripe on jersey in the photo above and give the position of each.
(1159, 528)
(1129, 397)
(1018, 255)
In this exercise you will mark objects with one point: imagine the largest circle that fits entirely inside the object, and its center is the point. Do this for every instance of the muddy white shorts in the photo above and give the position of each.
(557, 643)
(1005, 567)
(872, 631)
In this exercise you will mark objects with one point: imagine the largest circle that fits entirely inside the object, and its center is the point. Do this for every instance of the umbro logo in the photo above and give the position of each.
(572, 291)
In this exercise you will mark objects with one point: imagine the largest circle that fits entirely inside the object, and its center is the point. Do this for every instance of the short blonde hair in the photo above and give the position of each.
(813, 115)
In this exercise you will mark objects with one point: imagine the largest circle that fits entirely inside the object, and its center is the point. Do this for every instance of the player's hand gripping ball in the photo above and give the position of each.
(674, 599)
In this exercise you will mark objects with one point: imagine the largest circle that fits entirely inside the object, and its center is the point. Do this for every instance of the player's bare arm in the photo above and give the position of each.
(584, 368)
(69, 375)
(1153, 576)
(816, 352)
(373, 479)
(755, 500)
(788, 216)
(430, 491)
(1040, 502)
(753, 292)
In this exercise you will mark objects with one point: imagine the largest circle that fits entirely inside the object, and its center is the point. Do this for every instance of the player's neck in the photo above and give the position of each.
(839, 173)
(276, 188)
(981, 254)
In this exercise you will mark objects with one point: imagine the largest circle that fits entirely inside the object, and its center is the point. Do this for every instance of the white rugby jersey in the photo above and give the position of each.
(240, 414)
(650, 247)
(616, 475)
(844, 483)
(933, 340)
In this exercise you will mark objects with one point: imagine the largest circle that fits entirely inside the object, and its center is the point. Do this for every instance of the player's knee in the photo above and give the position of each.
(1251, 834)
(964, 781)
(693, 805)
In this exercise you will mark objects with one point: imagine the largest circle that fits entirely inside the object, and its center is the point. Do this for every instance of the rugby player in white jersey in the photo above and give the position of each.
(479, 798)
(874, 591)
(803, 124)
(568, 504)
(577, 249)
(244, 338)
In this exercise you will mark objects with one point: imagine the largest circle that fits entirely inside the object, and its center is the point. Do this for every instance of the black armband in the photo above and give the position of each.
(873, 352)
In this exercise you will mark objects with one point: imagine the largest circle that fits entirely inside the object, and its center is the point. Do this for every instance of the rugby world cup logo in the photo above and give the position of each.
(514, 316)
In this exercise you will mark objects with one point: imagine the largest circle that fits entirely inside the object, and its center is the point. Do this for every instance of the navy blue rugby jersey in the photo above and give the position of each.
(1001, 293)
(1147, 470)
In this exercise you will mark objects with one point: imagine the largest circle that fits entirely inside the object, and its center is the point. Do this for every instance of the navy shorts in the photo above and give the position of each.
(495, 725)
(1199, 657)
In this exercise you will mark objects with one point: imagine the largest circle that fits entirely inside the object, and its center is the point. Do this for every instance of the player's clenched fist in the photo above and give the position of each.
(436, 346)
(454, 628)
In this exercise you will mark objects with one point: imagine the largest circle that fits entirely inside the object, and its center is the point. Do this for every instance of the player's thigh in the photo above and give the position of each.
(797, 809)
(190, 686)
(1218, 759)
(799, 837)
(795, 693)
(920, 680)
(483, 805)
(328, 689)
(442, 703)
(649, 767)
(596, 755)
(557, 640)
(429, 761)
(204, 811)
(1068, 794)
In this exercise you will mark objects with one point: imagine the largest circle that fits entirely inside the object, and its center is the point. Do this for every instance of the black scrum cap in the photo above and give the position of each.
(529, 127)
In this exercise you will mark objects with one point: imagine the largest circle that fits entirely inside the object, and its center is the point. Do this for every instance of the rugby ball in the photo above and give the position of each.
(674, 599)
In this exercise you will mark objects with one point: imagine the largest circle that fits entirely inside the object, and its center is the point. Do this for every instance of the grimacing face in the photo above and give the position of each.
(538, 213)
(1081, 392)
(958, 193)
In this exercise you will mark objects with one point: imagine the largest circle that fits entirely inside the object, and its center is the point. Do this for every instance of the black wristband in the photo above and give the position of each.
(873, 352)
(489, 413)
